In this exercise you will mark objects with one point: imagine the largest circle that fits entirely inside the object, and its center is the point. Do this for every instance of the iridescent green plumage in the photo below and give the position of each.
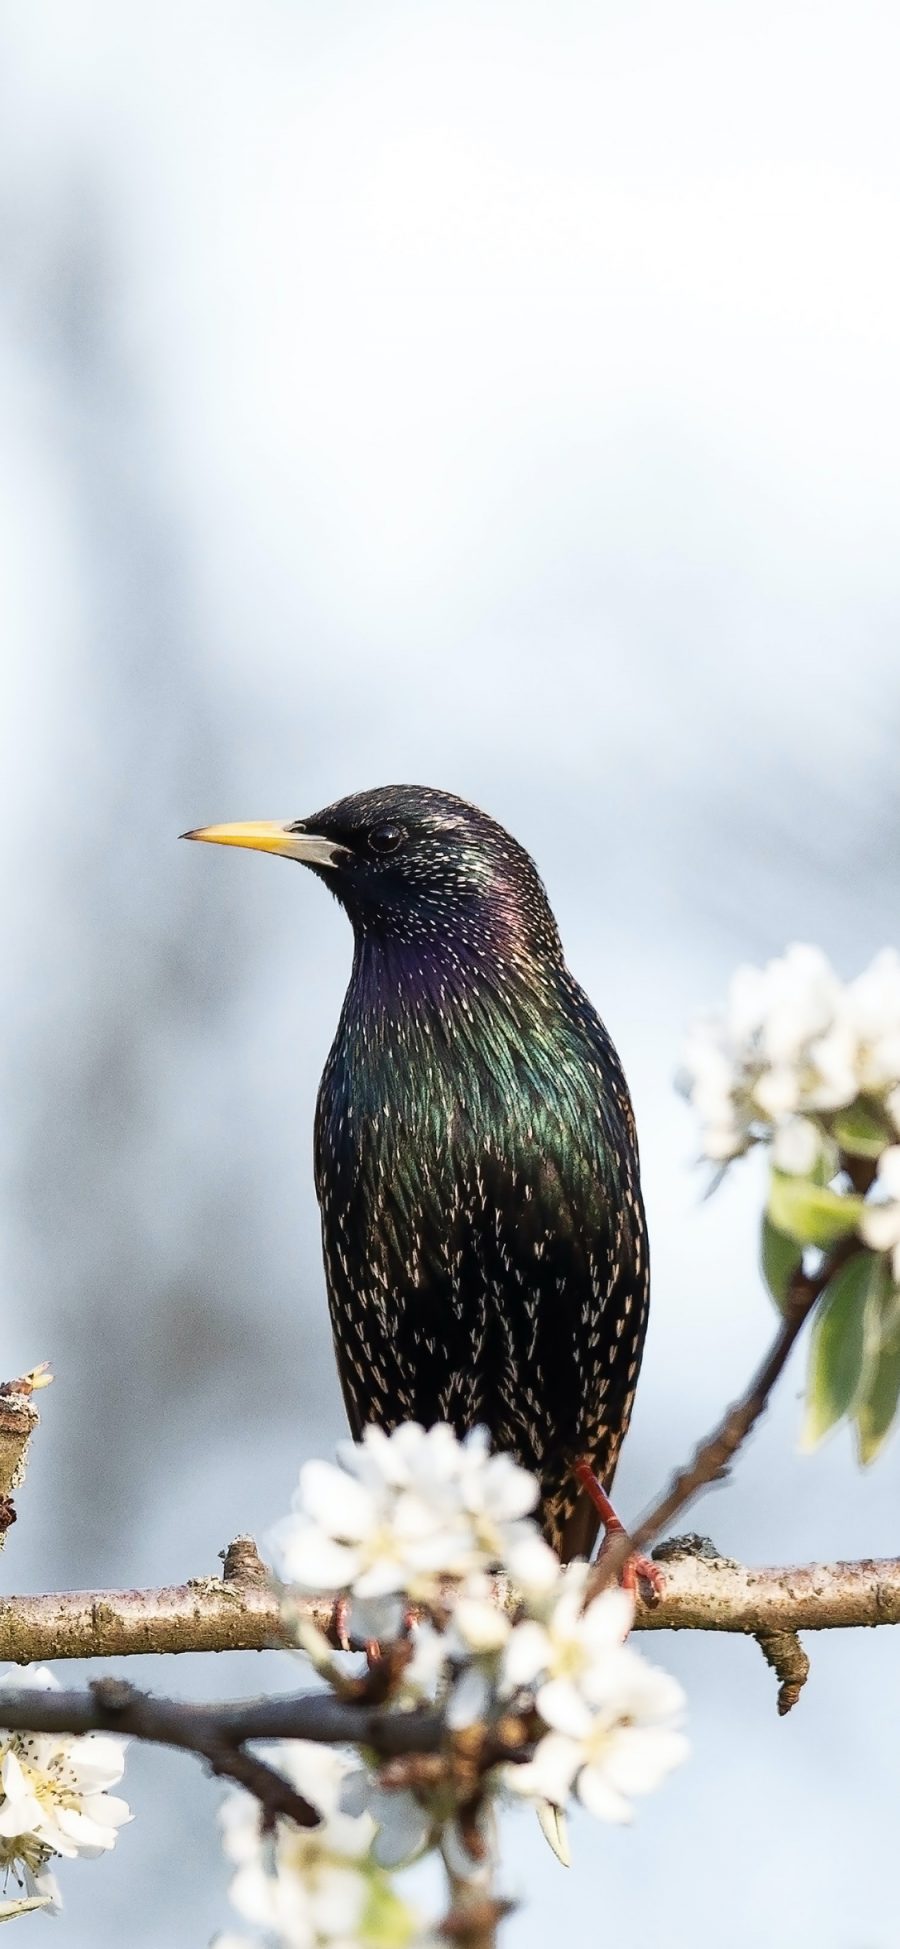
(476, 1160)
(476, 1163)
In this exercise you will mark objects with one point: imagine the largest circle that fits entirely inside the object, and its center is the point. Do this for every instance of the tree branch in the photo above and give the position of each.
(219, 1733)
(475, 1912)
(710, 1461)
(706, 1592)
(18, 1420)
(703, 1592)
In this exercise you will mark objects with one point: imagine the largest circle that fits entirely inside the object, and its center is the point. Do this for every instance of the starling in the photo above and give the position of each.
(476, 1160)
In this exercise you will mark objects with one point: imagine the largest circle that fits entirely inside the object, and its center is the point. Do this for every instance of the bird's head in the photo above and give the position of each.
(412, 864)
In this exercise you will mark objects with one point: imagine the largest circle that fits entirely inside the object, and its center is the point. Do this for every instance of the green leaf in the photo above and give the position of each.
(860, 1131)
(876, 1413)
(780, 1257)
(842, 1346)
(876, 1407)
(811, 1213)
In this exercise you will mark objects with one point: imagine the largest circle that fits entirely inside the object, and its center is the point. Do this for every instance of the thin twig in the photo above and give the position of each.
(219, 1734)
(475, 1913)
(711, 1459)
(112, 1705)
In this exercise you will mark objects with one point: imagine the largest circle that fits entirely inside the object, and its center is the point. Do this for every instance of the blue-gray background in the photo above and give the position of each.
(505, 397)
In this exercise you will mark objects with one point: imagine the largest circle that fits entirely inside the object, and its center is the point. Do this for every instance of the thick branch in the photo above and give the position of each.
(702, 1592)
(215, 1614)
(714, 1594)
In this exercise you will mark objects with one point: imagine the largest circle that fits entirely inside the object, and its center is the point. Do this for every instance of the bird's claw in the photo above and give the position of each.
(642, 1577)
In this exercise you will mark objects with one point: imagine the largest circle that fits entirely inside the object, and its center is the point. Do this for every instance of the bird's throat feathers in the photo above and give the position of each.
(476, 984)
(452, 1046)
(430, 1027)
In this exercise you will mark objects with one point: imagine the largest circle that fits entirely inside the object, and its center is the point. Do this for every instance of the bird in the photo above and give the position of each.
(476, 1159)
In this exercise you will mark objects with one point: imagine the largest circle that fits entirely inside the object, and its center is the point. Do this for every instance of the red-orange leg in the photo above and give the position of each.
(635, 1568)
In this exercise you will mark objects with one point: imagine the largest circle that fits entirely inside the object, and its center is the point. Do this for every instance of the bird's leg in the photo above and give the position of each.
(635, 1568)
(338, 1632)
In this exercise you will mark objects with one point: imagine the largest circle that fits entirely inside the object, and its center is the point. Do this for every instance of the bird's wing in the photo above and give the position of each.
(565, 1266)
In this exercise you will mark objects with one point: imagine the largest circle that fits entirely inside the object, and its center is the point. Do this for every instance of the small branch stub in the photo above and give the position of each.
(18, 1421)
(784, 1652)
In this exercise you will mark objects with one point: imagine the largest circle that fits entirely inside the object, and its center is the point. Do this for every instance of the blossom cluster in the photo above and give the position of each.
(308, 1887)
(419, 1519)
(793, 1049)
(54, 1798)
(810, 1066)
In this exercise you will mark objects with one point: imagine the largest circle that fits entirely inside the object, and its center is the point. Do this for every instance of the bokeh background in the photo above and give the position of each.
(504, 397)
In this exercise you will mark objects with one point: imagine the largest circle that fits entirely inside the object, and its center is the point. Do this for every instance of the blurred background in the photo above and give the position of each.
(496, 396)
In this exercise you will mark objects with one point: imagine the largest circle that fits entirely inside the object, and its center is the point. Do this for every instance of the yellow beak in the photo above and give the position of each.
(266, 836)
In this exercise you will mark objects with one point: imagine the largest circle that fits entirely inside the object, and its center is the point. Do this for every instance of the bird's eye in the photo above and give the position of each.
(386, 838)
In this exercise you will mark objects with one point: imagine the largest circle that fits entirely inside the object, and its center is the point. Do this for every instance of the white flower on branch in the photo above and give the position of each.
(621, 1745)
(400, 1514)
(566, 1658)
(880, 1220)
(797, 1146)
(53, 1794)
(405, 1826)
(420, 1520)
(315, 1887)
(793, 1047)
(874, 1008)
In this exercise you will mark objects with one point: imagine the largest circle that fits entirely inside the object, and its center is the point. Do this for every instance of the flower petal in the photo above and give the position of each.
(527, 1654)
(561, 1706)
(305, 1555)
(599, 1797)
(343, 1507)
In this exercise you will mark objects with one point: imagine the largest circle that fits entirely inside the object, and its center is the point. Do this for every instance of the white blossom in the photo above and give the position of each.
(565, 1658)
(401, 1513)
(422, 1521)
(624, 1744)
(792, 1047)
(797, 1146)
(53, 1794)
(318, 1887)
(880, 1220)
(404, 1825)
(873, 1005)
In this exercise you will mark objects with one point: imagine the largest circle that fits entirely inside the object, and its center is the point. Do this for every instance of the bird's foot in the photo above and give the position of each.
(637, 1570)
(642, 1576)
